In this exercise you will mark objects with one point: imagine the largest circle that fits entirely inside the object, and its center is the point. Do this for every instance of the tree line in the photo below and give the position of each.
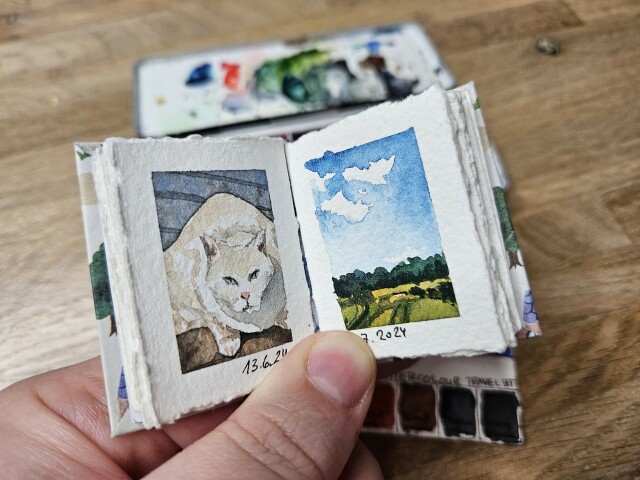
(414, 270)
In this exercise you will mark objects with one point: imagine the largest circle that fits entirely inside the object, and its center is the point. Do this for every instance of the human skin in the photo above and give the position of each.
(301, 422)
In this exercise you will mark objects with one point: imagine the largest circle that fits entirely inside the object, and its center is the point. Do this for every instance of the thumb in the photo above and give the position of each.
(301, 422)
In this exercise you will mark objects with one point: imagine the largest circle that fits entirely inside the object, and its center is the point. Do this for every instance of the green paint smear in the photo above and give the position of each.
(508, 233)
(82, 155)
(100, 284)
(294, 76)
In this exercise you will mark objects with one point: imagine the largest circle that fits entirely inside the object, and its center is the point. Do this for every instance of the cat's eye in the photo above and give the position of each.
(253, 275)
(230, 280)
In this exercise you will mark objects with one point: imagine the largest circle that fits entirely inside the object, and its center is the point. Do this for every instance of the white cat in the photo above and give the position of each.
(224, 273)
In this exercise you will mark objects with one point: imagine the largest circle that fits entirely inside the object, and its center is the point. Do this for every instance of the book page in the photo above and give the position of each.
(210, 243)
(389, 233)
(478, 186)
(527, 319)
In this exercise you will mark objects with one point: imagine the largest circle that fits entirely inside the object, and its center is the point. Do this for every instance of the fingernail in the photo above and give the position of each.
(342, 366)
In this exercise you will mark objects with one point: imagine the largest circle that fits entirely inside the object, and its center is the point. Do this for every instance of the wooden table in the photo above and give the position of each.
(568, 127)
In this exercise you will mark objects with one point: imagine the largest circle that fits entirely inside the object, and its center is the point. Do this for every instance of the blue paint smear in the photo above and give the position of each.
(400, 218)
(373, 46)
(122, 387)
(388, 29)
(200, 76)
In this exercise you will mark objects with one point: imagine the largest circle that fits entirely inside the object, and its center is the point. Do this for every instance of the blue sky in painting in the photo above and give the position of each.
(373, 204)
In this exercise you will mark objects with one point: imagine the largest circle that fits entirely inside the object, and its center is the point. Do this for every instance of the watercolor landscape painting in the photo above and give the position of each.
(380, 232)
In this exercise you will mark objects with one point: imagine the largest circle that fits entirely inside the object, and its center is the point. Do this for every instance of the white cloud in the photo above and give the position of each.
(341, 206)
(374, 174)
(321, 182)
(406, 253)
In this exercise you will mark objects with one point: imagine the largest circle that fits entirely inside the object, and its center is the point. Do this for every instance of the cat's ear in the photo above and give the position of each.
(211, 248)
(260, 242)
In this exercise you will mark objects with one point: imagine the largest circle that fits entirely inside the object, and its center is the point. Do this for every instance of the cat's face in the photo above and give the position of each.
(238, 276)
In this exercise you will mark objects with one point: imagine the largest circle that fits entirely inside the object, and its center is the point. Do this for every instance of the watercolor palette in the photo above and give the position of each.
(450, 398)
(257, 83)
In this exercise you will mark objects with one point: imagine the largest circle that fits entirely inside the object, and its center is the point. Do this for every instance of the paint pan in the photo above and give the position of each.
(417, 407)
(499, 416)
(457, 410)
(381, 414)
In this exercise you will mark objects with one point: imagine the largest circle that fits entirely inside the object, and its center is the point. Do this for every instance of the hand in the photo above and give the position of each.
(301, 422)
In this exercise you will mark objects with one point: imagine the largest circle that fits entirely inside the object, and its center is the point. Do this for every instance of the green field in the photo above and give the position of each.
(391, 306)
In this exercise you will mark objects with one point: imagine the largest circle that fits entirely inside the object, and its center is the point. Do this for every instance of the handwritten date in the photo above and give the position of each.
(254, 364)
(385, 334)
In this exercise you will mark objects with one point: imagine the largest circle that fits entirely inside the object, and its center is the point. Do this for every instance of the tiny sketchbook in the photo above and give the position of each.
(218, 255)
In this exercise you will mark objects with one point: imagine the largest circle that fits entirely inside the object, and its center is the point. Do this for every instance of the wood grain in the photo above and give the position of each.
(567, 126)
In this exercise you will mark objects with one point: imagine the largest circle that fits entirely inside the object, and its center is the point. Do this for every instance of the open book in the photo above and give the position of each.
(221, 254)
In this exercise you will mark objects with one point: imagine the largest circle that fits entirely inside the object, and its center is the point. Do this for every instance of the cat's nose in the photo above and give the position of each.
(245, 295)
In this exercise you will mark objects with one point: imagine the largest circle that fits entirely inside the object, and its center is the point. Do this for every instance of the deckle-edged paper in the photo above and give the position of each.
(202, 248)
(398, 246)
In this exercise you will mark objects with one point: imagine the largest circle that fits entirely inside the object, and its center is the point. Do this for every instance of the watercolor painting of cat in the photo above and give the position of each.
(224, 273)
